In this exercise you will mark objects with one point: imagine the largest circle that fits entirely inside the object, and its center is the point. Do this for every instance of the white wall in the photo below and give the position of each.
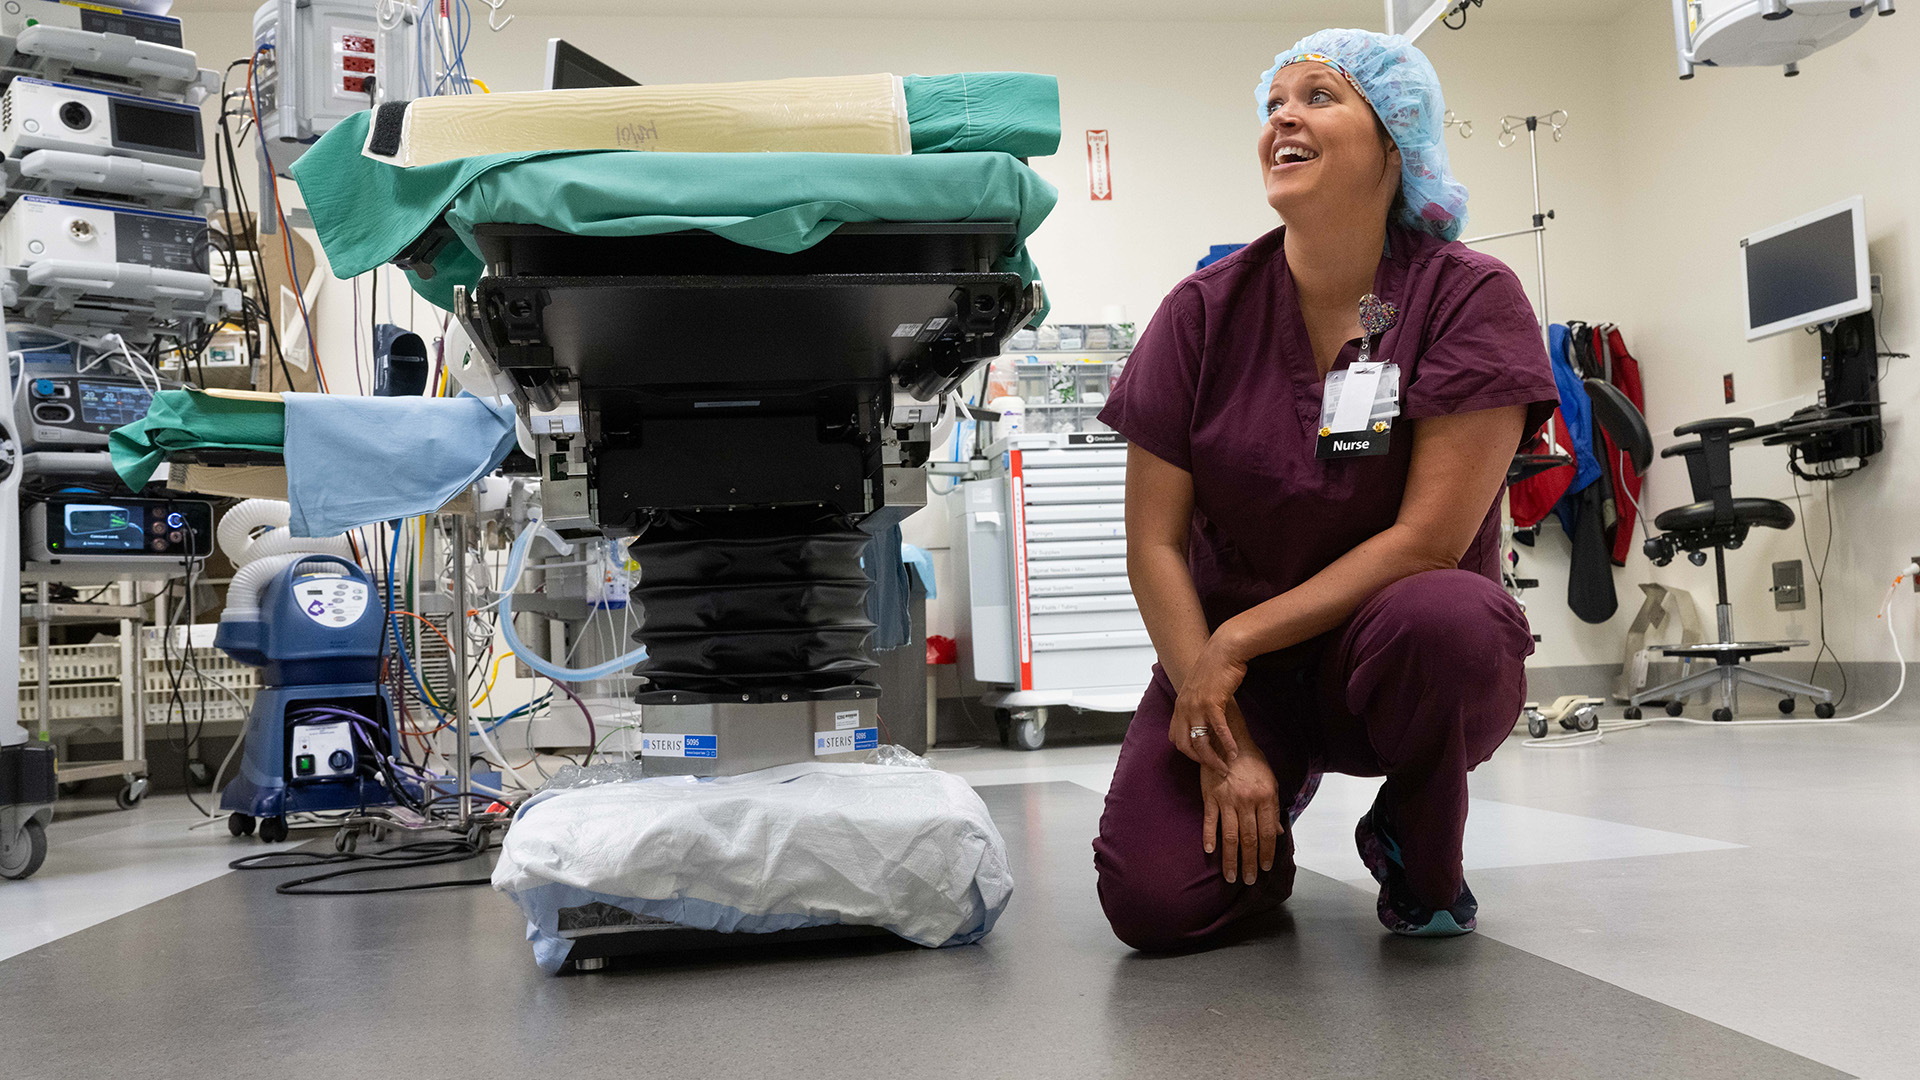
(1697, 165)
(1652, 185)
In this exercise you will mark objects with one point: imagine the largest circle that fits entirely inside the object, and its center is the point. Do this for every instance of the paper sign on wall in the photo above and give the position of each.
(1099, 167)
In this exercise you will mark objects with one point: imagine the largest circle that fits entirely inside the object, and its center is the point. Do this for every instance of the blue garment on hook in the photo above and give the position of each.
(353, 461)
(1577, 411)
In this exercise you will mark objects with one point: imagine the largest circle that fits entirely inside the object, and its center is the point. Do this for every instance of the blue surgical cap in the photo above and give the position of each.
(1399, 82)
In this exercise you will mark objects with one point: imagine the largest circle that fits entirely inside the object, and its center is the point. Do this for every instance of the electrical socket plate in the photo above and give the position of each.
(1916, 577)
(1873, 284)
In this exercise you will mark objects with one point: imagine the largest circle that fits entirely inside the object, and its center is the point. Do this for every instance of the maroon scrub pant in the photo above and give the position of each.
(1422, 684)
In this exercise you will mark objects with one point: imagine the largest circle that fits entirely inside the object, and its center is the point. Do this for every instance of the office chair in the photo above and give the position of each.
(1717, 520)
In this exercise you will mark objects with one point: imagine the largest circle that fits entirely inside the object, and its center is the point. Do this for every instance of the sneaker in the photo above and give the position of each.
(1398, 910)
(1301, 800)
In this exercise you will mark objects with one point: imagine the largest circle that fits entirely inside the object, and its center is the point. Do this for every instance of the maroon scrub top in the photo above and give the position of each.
(1223, 385)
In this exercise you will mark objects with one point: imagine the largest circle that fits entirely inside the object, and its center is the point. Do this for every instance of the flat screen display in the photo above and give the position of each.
(113, 404)
(103, 527)
(1802, 271)
(570, 68)
(146, 127)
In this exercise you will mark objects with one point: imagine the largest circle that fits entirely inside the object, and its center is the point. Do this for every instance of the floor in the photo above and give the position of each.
(1688, 902)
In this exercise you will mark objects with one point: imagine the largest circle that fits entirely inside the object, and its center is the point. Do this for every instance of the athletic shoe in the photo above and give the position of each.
(1397, 908)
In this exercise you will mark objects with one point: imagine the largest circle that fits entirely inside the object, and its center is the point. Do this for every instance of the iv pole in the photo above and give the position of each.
(1556, 121)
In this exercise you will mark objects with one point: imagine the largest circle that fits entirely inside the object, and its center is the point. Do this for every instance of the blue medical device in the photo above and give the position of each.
(321, 724)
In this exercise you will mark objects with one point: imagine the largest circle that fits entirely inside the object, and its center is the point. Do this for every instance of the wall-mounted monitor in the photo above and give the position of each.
(1807, 271)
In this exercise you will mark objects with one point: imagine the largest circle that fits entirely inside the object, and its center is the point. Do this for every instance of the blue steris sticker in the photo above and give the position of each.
(845, 741)
(680, 746)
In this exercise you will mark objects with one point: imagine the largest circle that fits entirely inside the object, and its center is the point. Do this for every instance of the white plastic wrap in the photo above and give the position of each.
(907, 848)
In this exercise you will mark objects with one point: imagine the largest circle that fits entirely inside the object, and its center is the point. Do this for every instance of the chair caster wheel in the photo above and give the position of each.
(1676, 707)
(1721, 716)
(345, 840)
(273, 830)
(1536, 724)
(1786, 706)
(1632, 712)
(239, 825)
(1824, 710)
(129, 797)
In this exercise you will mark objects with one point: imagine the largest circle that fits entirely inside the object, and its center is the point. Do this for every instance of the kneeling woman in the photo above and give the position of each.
(1321, 602)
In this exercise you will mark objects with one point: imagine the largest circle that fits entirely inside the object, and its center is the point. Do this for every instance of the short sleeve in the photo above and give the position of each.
(1483, 351)
(1152, 402)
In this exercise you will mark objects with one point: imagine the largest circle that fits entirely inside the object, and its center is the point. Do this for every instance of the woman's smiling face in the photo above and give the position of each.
(1322, 150)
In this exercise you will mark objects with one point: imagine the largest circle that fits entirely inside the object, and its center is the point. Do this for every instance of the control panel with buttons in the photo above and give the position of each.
(321, 751)
(334, 601)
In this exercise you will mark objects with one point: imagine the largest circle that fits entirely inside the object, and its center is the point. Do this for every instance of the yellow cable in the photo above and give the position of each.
(491, 679)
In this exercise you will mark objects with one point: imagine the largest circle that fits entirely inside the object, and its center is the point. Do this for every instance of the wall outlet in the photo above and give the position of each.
(1916, 577)
(1726, 384)
(1789, 586)
(1873, 284)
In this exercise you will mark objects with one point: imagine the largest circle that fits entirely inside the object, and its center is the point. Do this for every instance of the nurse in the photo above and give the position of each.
(1321, 602)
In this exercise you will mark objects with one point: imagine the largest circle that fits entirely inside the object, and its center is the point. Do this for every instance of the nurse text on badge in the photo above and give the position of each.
(1357, 411)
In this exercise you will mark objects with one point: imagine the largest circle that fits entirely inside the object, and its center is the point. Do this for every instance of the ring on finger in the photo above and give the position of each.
(1197, 733)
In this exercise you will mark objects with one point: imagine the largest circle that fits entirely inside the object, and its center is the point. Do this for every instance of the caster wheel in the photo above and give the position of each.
(273, 830)
(1632, 713)
(1536, 725)
(1676, 707)
(1786, 706)
(1824, 710)
(345, 840)
(1586, 720)
(73, 787)
(1028, 734)
(1003, 720)
(129, 797)
(590, 963)
(29, 850)
(1721, 716)
(377, 833)
(239, 825)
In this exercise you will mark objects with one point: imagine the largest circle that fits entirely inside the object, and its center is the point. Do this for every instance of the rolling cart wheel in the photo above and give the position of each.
(1722, 716)
(1786, 706)
(377, 833)
(345, 840)
(29, 851)
(273, 830)
(1586, 719)
(129, 797)
(1676, 707)
(1632, 713)
(1003, 720)
(1824, 710)
(1536, 725)
(1028, 734)
(239, 825)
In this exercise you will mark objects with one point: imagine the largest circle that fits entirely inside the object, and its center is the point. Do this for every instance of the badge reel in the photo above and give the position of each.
(1359, 403)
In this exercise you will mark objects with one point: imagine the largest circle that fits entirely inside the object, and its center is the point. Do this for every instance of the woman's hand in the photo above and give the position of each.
(1243, 808)
(1206, 696)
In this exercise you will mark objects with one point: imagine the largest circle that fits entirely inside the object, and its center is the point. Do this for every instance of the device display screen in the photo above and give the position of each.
(112, 404)
(93, 526)
(158, 31)
(103, 527)
(144, 127)
(1801, 271)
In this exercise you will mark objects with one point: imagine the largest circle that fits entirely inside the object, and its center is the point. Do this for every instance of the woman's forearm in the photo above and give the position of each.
(1328, 598)
(1169, 605)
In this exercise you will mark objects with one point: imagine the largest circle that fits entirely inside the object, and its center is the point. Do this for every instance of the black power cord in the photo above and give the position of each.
(1820, 589)
(399, 857)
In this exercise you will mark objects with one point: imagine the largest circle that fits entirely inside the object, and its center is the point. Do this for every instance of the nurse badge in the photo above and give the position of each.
(1359, 402)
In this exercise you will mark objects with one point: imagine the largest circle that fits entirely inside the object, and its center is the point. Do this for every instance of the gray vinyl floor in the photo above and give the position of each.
(1677, 901)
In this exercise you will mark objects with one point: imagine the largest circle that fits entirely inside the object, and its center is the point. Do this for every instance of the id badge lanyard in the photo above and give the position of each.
(1358, 404)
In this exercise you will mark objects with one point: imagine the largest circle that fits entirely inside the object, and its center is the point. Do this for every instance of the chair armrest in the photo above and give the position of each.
(1717, 426)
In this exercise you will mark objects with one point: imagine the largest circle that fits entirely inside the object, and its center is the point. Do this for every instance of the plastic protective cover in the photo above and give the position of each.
(902, 847)
(852, 114)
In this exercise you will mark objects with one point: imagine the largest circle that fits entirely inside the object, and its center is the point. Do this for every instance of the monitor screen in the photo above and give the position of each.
(113, 404)
(1810, 270)
(570, 68)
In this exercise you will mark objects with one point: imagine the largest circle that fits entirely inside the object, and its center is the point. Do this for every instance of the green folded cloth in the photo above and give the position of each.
(191, 420)
(1009, 112)
(367, 211)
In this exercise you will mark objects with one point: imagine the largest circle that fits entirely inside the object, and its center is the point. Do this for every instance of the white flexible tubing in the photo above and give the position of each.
(1568, 742)
(238, 540)
(516, 560)
(243, 592)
